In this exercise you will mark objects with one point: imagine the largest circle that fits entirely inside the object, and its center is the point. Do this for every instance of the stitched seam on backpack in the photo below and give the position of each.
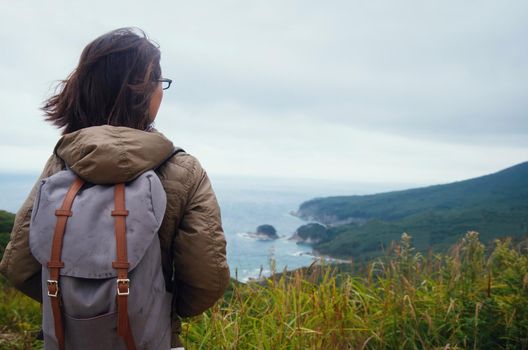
(152, 203)
(36, 200)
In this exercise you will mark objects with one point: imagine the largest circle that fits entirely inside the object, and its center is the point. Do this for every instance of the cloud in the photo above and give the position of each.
(347, 89)
(240, 140)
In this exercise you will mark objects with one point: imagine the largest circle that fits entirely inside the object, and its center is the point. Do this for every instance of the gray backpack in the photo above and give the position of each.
(102, 281)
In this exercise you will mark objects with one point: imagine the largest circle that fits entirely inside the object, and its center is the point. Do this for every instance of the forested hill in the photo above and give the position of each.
(363, 226)
(499, 191)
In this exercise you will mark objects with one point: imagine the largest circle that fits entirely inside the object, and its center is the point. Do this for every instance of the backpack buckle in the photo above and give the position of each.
(53, 285)
(123, 282)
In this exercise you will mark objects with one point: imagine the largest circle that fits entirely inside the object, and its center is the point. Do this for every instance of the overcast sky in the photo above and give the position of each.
(364, 91)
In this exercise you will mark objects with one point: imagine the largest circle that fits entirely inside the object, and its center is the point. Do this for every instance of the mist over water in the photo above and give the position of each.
(245, 203)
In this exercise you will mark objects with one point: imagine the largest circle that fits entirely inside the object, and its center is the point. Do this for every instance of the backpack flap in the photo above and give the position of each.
(89, 245)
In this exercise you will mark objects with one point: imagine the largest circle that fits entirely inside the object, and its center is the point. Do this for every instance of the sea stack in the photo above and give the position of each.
(312, 233)
(265, 232)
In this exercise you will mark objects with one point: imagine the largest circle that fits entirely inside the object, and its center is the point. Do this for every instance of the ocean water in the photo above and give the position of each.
(245, 203)
(246, 206)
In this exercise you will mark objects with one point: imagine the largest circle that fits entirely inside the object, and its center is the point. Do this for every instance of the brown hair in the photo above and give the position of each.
(112, 84)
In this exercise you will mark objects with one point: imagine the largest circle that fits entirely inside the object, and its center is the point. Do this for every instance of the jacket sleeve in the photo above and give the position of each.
(18, 264)
(199, 251)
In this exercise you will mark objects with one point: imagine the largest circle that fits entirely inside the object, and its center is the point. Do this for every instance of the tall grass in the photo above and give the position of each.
(19, 320)
(461, 300)
(468, 298)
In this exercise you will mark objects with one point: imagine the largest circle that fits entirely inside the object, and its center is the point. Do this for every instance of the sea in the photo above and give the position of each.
(245, 203)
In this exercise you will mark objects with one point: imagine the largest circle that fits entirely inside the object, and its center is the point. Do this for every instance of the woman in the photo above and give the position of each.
(106, 108)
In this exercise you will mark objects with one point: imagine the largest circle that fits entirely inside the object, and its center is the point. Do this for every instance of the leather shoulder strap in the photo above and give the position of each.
(121, 265)
(55, 263)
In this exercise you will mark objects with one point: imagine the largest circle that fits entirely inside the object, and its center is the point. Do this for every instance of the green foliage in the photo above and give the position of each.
(406, 301)
(19, 315)
(313, 232)
(19, 320)
(464, 299)
(494, 205)
(435, 230)
(4, 239)
(6, 224)
(498, 192)
(6, 221)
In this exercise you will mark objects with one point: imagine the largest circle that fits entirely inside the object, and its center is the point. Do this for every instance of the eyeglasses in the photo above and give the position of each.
(165, 83)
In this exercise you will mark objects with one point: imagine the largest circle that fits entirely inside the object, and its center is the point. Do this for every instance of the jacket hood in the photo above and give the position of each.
(113, 154)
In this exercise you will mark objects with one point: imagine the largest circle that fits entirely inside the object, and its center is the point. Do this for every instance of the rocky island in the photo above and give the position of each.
(264, 233)
(312, 233)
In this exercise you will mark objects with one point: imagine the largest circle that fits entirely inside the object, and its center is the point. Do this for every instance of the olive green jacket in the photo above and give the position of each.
(192, 241)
